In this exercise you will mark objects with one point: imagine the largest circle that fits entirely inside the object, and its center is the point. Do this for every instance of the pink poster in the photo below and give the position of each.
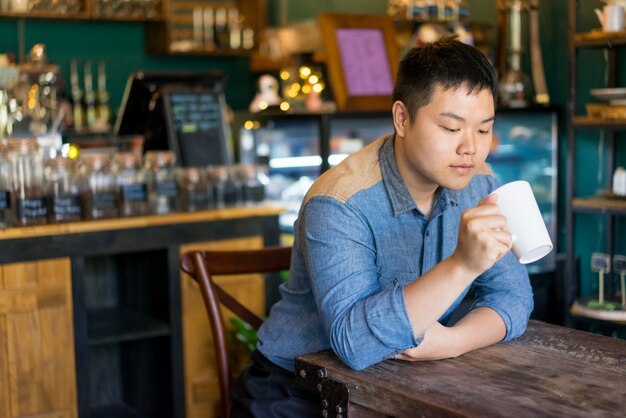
(365, 63)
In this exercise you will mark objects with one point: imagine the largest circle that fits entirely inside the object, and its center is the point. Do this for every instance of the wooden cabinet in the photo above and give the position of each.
(593, 136)
(37, 361)
(202, 27)
(96, 321)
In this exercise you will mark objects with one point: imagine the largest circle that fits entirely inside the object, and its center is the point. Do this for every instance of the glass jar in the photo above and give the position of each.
(196, 192)
(28, 182)
(227, 190)
(162, 186)
(252, 184)
(6, 215)
(99, 189)
(62, 190)
(131, 180)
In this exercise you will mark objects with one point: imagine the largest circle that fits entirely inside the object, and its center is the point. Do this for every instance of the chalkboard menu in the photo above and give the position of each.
(183, 112)
(197, 128)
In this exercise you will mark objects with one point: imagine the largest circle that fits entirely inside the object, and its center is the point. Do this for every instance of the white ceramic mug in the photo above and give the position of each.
(524, 221)
(611, 17)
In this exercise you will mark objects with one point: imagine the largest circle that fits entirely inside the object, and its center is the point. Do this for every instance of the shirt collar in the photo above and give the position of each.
(401, 200)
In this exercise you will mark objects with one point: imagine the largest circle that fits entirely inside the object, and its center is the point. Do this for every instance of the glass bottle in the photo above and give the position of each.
(6, 215)
(62, 190)
(99, 188)
(162, 187)
(253, 187)
(418, 10)
(431, 9)
(28, 182)
(196, 192)
(131, 181)
(227, 189)
(464, 10)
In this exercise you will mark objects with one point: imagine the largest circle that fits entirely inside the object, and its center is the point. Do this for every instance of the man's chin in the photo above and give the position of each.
(458, 184)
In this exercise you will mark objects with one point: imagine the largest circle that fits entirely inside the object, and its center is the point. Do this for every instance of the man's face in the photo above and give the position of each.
(448, 141)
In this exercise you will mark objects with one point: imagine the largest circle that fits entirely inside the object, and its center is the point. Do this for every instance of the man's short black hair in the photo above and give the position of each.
(447, 63)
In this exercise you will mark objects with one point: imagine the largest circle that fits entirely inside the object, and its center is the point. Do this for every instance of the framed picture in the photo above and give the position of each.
(362, 59)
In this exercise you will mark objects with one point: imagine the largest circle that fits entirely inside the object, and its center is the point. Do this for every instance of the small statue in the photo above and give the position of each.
(267, 94)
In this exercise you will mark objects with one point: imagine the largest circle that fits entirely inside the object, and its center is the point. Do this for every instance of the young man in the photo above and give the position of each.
(390, 241)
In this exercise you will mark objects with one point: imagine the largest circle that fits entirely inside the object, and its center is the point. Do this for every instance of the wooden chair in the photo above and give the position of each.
(202, 266)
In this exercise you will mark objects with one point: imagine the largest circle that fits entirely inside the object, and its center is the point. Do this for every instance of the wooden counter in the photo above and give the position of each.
(550, 371)
(96, 321)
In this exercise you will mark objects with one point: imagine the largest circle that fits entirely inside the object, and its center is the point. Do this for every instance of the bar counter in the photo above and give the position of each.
(96, 319)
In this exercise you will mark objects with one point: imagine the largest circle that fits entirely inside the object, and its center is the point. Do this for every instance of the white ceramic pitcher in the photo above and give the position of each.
(611, 17)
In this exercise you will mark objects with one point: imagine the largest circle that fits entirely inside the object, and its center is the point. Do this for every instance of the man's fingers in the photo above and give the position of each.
(478, 221)
(490, 199)
(505, 238)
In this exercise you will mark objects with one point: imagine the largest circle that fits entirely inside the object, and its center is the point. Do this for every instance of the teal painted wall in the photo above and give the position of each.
(122, 46)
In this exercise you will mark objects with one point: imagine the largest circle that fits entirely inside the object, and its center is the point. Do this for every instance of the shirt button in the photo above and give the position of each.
(427, 233)
(395, 282)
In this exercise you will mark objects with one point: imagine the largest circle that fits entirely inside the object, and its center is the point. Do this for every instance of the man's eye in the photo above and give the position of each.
(484, 131)
(450, 129)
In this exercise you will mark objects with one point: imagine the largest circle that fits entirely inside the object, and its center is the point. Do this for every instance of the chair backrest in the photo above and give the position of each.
(202, 266)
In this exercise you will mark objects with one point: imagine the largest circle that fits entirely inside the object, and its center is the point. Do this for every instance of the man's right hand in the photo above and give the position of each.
(483, 237)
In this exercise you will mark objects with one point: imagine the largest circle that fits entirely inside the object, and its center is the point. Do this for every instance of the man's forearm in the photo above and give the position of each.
(479, 328)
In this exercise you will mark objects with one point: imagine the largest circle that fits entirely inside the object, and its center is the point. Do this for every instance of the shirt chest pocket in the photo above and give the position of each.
(392, 277)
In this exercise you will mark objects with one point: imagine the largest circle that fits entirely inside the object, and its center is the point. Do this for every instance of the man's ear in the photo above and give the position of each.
(401, 118)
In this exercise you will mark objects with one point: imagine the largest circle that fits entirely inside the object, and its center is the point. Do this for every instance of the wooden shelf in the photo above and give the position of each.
(202, 53)
(158, 18)
(118, 324)
(262, 63)
(83, 15)
(79, 16)
(579, 308)
(598, 204)
(599, 39)
(589, 122)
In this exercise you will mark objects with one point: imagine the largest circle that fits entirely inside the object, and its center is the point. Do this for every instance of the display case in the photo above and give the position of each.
(296, 148)
(525, 147)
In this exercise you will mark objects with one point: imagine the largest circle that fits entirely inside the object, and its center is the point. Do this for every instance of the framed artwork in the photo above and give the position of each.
(362, 59)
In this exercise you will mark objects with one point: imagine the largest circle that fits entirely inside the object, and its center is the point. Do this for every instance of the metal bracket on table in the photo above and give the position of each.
(334, 395)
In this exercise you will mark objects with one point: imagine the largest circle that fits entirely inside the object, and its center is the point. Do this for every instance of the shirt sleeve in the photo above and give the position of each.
(505, 288)
(365, 323)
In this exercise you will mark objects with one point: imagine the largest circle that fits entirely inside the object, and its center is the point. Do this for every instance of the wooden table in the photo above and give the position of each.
(550, 371)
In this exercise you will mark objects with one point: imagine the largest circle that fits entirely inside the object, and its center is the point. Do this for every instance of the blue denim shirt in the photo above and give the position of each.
(359, 239)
